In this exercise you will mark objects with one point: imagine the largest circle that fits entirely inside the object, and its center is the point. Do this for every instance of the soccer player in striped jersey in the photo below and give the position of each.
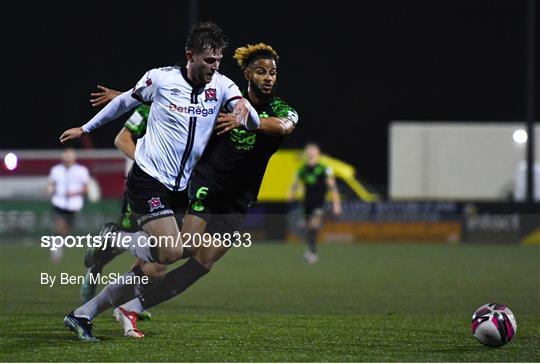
(185, 105)
(317, 179)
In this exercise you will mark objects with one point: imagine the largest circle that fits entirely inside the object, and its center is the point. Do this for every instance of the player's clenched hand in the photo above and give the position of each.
(226, 122)
(70, 134)
(103, 97)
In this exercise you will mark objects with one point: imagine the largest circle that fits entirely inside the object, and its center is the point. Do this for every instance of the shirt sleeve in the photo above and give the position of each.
(284, 110)
(118, 106)
(145, 89)
(231, 93)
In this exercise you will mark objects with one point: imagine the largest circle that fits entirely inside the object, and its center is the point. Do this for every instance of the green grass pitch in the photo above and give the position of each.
(376, 302)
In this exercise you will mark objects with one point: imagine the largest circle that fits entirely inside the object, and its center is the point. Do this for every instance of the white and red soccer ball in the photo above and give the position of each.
(493, 324)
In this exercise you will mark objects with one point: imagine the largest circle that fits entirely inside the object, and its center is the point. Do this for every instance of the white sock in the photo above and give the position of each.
(138, 244)
(112, 295)
(133, 305)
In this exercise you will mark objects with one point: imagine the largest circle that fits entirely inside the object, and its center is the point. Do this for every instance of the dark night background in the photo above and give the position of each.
(349, 68)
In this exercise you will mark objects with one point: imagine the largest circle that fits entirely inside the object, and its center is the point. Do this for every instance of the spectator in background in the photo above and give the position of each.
(68, 184)
(317, 180)
(520, 182)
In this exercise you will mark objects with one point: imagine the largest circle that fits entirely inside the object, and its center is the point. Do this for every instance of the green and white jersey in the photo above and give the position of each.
(136, 123)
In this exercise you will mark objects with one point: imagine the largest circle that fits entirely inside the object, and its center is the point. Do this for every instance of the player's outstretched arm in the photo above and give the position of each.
(282, 123)
(276, 126)
(118, 106)
(124, 139)
(273, 126)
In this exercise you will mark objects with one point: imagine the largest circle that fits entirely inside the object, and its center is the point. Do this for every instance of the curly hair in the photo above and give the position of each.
(206, 35)
(251, 52)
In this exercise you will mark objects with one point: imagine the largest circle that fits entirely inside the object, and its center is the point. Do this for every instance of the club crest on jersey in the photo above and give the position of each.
(210, 94)
(155, 203)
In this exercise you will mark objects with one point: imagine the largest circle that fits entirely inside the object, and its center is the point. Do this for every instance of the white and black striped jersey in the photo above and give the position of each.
(180, 123)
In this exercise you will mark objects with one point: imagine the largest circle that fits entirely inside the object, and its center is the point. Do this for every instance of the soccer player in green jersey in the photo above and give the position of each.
(317, 179)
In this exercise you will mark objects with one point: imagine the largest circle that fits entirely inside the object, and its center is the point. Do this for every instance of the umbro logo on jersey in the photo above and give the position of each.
(175, 91)
(210, 94)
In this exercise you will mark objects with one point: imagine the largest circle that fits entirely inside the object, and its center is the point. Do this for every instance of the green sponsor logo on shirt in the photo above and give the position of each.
(242, 139)
(310, 178)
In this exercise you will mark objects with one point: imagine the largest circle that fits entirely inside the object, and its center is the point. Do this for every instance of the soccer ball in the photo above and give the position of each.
(493, 324)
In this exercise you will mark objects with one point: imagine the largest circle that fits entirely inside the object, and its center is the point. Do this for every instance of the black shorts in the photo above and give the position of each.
(66, 215)
(149, 199)
(223, 211)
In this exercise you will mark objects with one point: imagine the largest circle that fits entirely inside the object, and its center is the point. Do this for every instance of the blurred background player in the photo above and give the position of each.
(68, 184)
(316, 179)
